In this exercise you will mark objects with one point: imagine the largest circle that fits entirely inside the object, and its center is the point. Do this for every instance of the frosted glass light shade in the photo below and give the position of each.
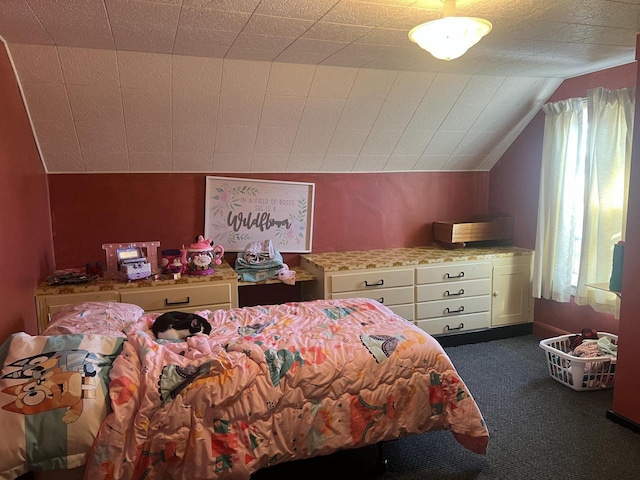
(450, 37)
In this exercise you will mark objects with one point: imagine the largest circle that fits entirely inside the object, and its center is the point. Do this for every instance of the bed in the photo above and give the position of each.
(270, 384)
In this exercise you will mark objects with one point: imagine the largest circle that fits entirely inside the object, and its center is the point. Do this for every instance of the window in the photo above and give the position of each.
(583, 195)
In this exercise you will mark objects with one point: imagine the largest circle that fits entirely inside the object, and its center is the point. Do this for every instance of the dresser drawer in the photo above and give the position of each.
(444, 291)
(408, 312)
(461, 323)
(51, 304)
(452, 308)
(452, 272)
(362, 281)
(178, 298)
(56, 302)
(386, 296)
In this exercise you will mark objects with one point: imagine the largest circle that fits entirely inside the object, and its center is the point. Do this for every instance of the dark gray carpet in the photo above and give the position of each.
(539, 429)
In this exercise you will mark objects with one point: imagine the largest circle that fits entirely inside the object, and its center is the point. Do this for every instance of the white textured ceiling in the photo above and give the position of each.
(536, 38)
(458, 108)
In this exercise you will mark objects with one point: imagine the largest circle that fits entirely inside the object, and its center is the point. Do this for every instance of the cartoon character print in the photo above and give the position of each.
(121, 390)
(322, 425)
(148, 460)
(336, 313)
(57, 380)
(56, 389)
(254, 329)
(174, 379)
(364, 416)
(280, 362)
(181, 380)
(380, 346)
(229, 440)
(445, 392)
(251, 440)
(36, 366)
(224, 444)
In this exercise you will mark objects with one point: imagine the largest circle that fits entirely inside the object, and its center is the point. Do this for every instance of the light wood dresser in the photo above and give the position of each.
(187, 293)
(440, 290)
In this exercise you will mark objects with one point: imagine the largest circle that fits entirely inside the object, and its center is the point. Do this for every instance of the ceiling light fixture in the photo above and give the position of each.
(450, 37)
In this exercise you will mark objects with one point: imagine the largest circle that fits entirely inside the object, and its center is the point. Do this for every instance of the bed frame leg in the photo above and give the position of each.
(380, 466)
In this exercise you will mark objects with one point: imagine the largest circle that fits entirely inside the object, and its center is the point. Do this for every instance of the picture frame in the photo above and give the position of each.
(239, 211)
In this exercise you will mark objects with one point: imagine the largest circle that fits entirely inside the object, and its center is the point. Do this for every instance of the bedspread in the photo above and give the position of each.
(276, 383)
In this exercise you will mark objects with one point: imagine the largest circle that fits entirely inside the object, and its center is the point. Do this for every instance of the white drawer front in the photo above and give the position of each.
(386, 296)
(405, 311)
(438, 326)
(155, 299)
(445, 291)
(362, 281)
(453, 308)
(55, 303)
(453, 272)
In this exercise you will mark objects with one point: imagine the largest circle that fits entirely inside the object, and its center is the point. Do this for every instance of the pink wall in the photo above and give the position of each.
(519, 198)
(25, 228)
(515, 180)
(627, 387)
(612, 78)
(352, 211)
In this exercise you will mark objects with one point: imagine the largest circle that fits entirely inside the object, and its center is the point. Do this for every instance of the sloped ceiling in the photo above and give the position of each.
(294, 85)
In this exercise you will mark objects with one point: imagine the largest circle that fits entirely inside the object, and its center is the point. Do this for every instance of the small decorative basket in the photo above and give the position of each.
(132, 264)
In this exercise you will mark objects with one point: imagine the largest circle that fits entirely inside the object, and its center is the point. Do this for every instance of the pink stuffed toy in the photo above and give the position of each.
(287, 276)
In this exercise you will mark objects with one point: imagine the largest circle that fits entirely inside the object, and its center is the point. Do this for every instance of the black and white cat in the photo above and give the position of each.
(179, 325)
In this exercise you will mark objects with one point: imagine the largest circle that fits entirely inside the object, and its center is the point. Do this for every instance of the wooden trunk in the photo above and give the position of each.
(498, 229)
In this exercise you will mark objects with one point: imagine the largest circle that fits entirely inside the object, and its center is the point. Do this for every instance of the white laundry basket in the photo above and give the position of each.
(579, 373)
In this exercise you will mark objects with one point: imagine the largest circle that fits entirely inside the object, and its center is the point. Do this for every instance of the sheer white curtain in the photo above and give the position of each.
(558, 214)
(607, 164)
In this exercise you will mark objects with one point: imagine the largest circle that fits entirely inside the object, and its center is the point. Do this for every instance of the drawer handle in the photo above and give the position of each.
(380, 283)
(449, 294)
(381, 300)
(460, 275)
(459, 327)
(448, 311)
(167, 302)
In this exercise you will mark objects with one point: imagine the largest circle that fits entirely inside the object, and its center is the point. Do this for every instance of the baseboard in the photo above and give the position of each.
(544, 330)
(624, 421)
(486, 335)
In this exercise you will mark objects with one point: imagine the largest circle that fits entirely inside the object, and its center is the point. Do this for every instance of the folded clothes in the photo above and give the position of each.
(251, 272)
(245, 265)
(261, 261)
(258, 274)
(260, 252)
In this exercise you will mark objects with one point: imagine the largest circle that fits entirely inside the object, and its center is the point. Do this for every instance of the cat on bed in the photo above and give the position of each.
(179, 325)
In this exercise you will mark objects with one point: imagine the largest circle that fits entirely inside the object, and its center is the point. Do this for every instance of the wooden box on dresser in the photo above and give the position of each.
(443, 291)
(187, 293)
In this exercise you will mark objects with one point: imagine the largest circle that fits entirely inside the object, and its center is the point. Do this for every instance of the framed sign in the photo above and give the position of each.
(239, 211)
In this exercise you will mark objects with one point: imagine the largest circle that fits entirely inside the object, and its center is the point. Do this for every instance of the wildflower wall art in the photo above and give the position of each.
(239, 211)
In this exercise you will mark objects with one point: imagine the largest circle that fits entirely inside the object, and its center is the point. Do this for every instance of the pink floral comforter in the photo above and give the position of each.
(276, 383)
